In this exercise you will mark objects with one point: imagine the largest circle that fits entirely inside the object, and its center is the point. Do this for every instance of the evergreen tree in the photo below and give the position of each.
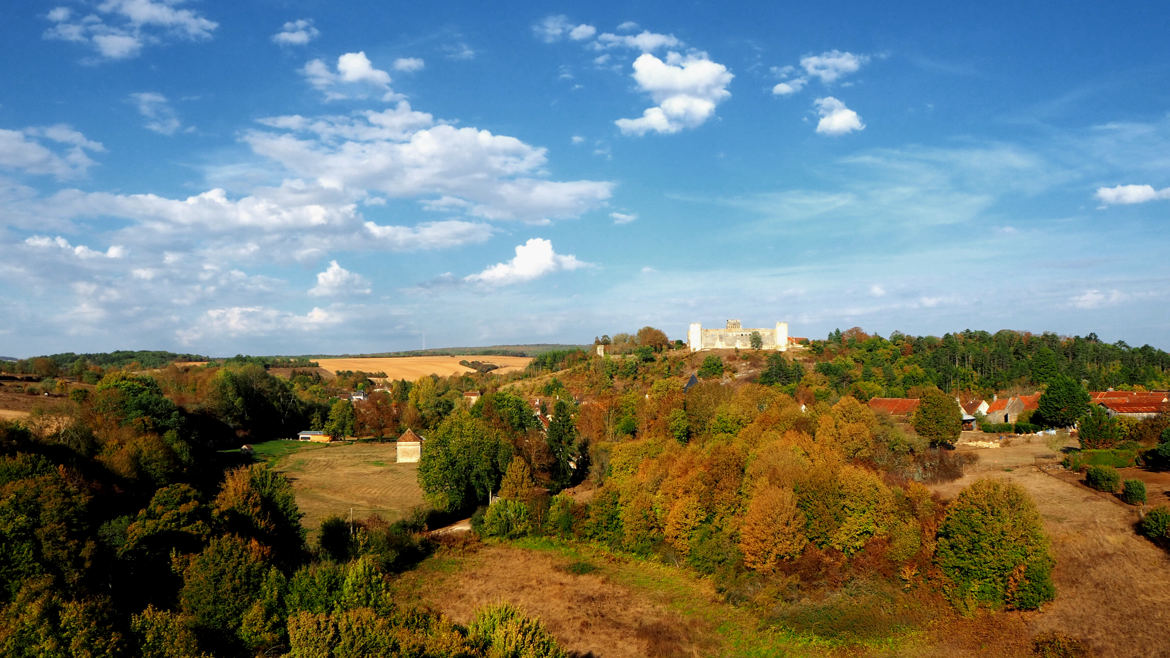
(1063, 402)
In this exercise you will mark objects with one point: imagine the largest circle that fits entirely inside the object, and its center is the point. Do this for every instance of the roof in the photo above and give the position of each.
(1139, 407)
(409, 435)
(1031, 402)
(997, 405)
(314, 432)
(971, 406)
(471, 394)
(894, 406)
(1148, 397)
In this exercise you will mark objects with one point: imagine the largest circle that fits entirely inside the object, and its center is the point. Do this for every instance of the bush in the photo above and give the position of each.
(1156, 522)
(1117, 458)
(1026, 428)
(712, 367)
(506, 518)
(1133, 492)
(997, 428)
(502, 631)
(992, 549)
(1103, 478)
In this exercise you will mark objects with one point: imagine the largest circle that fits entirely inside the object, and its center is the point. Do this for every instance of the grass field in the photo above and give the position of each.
(411, 368)
(329, 479)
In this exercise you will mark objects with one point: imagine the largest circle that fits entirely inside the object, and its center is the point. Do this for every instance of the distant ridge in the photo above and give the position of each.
(491, 350)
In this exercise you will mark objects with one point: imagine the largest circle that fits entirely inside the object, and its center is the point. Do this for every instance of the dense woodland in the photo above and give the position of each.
(131, 527)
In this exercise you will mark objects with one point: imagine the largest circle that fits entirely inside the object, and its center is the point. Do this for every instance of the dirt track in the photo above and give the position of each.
(1113, 586)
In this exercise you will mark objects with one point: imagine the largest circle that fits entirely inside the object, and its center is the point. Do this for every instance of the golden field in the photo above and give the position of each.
(411, 368)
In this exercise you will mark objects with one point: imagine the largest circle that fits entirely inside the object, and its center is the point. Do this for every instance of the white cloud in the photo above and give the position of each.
(1095, 298)
(554, 28)
(685, 88)
(789, 87)
(577, 139)
(877, 291)
(337, 281)
(296, 33)
(459, 51)
(493, 175)
(644, 41)
(623, 217)
(396, 123)
(255, 320)
(836, 119)
(1129, 194)
(409, 64)
(832, 65)
(428, 235)
(80, 251)
(533, 260)
(160, 116)
(119, 29)
(627, 26)
(20, 150)
(355, 77)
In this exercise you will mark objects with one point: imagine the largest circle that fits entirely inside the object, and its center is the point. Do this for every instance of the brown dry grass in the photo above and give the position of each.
(412, 367)
(1112, 586)
(12, 414)
(588, 613)
(330, 479)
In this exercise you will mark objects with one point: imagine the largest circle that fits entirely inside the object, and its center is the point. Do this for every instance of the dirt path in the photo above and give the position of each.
(1113, 586)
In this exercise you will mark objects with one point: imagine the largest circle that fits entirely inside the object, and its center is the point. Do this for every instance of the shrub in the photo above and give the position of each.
(1133, 492)
(1155, 523)
(1103, 478)
(1097, 429)
(1117, 458)
(992, 549)
(712, 367)
(506, 518)
(1026, 428)
(1055, 645)
(502, 631)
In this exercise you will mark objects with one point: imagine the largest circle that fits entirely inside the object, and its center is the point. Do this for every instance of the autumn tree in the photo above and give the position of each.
(773, 528)
(938, 418)
(341, 420)
(258, 502)
(653, 338)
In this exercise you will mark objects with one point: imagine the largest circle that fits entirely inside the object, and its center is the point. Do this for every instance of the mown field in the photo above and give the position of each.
(411, 368)
(331, 479)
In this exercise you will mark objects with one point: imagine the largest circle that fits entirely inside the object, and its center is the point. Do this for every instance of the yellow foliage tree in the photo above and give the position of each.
(772, 529)
(685, 515)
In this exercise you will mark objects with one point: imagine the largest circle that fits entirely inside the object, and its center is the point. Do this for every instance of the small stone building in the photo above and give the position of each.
(409, 447)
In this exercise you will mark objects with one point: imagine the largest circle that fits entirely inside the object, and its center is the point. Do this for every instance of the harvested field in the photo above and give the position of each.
(330, 479)
(1104, 569)
(412, 367)
(12, 414)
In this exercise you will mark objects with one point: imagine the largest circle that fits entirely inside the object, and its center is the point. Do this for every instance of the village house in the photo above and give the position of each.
(409, 447)
(1132, 404)
(316, 436)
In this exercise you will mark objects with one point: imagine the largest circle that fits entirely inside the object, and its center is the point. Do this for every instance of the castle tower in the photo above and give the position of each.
(782, 336)
(695, 337)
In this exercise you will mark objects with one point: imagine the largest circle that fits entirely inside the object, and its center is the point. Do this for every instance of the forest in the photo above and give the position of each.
(132, 526)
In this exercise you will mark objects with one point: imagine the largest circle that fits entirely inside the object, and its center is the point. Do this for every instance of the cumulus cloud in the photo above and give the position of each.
(489, 176)
(119, 29)
(533, 259)
(554, 28)
(25, 151)
(255, 321)
(296, 33)
(1130, 194)
(644, 41)
(160, 116)
(355, 77)
(832, 65)
(409, 64)
(80, 251)
(789, 87)
(337, 281)
(623, 217)
(836, 119)
(685, 88)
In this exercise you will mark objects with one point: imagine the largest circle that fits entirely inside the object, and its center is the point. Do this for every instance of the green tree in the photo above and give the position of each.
(1063, 402)
(712, 367)
(1097, 429)
(258, 502)
(462, 462)
(562, 443)
(756, 340)
(938, 418)
(341, 420)
(219, 586)
(992, 549)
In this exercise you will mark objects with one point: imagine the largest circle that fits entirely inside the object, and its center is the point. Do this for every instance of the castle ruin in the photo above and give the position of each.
(735, 336)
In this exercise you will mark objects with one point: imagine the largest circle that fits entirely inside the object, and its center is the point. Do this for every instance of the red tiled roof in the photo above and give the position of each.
(1134, 407)
(894, 406)
(409, 435)
(1149, 397)
(1031, 402)
(997, 405)
(971, 406)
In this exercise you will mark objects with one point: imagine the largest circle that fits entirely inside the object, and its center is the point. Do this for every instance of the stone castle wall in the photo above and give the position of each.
(736, 336)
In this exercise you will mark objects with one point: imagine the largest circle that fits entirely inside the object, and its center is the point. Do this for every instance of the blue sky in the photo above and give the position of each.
(316, 177)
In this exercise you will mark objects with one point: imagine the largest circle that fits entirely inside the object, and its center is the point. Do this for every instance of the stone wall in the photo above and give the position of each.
(736, 336)
(409, 451)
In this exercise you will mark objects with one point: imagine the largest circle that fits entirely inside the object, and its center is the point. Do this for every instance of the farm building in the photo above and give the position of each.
(317, 436)
(409, 447)
(895, 406)
(471, 397)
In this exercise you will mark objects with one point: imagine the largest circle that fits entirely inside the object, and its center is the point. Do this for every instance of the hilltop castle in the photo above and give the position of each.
(735, 335)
